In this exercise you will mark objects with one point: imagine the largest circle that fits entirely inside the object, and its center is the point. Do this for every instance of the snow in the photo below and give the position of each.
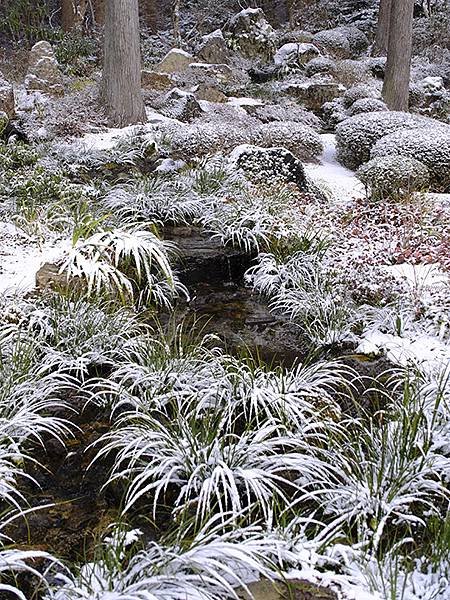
(21, 258)
(340, 181)
(420, 276)
(244, 101)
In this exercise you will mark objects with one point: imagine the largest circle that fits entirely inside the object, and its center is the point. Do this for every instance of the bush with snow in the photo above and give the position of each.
(342, 42)
(358, 92)
(432, 148)
(394, 176)
(366, 105)
(287, 111)
(321, 64)
(357, 135)
(299, 139)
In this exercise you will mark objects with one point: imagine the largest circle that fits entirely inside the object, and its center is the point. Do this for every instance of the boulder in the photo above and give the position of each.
(43, 72)
(265, 73)
(175, 61)
(7, 104)
(314, 94)
(213, 48)
(321, 65)
(292, 56)
(181, 105)
(210, 93)
(272, 166)
(219, 72)
(251, 35)
(152, 80)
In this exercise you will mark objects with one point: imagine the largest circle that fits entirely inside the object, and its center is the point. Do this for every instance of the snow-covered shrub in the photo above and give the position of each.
(253, 219)
(357, 135)
(210, 463)
(393, 176)
(133, 147)
(321, 64)
(287, 111)
(76, 335)
(366, 105)
(116, 261)
(299, 139)
(358, 92)
(16, 154)
(202, 139)
(333, 113)
(334, 42)
(432, 148)
(155, 199)
(205, 566)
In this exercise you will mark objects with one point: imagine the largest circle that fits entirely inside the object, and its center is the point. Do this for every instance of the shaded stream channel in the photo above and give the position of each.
(80, 510)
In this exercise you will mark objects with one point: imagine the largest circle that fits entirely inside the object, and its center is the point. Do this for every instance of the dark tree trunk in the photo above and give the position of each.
(121, 84)
(398, 66)
(380, 45)
(72, 14)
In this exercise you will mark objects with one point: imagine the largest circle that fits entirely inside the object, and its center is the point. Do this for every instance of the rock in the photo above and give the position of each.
(43, 72)
(264, 74)
(181, 105)
(251, 34)
(175, 61)
(7, 104)
(296, 36)
(213, 48)
(220, 72)
(292, 56)
(152, 80)
(210, 93)
(314, 94)
(271, 166)
(431, 85)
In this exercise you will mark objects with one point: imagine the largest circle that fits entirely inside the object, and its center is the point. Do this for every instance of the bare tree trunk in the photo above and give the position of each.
(72, 14)
(99, 11)
(398, 66)
(380, 45)
(121, 83)
(176, 23)
(149, 14)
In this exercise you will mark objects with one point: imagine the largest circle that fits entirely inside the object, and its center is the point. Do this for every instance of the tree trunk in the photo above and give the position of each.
(72, 14)
(121, 83)
(176, 23)
(398, 65)
(149, 14)
(99, 11)
(380, 45)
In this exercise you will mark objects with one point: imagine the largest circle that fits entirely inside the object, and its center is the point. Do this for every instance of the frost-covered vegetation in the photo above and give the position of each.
(299, 434)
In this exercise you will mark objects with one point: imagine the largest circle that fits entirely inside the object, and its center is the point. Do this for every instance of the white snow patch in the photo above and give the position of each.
(244, 101)
(341, 182)
(21, 257)
(419, 276)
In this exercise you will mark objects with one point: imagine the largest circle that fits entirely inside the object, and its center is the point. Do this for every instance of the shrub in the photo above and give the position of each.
(358, 92)
(393, 176)
(432, 148)
(357, 135)
(76, 53)
(299, 139)
(366, 105)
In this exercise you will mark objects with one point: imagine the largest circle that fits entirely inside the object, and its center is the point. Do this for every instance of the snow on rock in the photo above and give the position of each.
(21, 257)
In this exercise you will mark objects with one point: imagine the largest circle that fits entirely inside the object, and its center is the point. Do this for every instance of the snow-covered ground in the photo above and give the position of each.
(21, 257)
(339, 181)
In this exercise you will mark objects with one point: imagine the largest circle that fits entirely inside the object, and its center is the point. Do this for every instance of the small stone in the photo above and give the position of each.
(210, 93)
(220, 72)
